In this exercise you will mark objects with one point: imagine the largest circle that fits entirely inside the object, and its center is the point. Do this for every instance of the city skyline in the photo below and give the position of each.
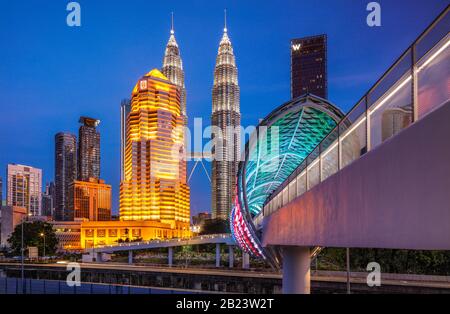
(42, 156)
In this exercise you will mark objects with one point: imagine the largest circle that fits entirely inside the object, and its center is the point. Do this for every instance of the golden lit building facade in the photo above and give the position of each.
(100, 233)
(90, 200)
(154, 187)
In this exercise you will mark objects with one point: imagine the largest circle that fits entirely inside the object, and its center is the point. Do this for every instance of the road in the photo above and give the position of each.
(440, 282)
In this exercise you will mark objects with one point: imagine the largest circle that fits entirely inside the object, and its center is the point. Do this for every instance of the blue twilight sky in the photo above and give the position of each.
(50, 74)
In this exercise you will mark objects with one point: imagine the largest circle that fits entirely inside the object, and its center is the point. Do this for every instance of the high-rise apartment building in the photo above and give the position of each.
(24, 188)
(88, 149)
(309, 66)
(65, 172)
(226, 116)
(154, 187)
(90, 200)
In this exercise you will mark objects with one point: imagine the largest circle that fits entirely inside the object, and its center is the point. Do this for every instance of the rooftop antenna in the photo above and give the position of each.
(225, 13)
(172, 31)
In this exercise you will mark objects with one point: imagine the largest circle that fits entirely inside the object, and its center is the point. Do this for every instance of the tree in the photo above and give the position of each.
(215, 226)
(33, 235)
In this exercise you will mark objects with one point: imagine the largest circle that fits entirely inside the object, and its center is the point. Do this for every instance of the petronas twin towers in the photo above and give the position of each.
(225, 116)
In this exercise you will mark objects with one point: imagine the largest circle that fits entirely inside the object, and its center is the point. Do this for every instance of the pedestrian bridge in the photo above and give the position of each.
(225, 238)
(96, 254)
(380, 178)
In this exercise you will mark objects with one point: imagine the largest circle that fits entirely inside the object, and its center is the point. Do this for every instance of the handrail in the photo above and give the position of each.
(375, 104)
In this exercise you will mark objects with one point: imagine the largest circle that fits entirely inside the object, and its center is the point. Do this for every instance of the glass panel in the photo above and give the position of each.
(433, 36)
(301, 183)
(292, 190)
(353, 141)
(434, 79)
(398, 71)
(392, 113)
(313, 174)
(285, 196)
(330, 155)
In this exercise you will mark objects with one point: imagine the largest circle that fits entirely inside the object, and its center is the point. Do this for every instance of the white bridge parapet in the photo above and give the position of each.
(154, 244)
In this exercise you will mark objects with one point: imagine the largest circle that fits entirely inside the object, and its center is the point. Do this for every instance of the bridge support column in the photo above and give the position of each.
(98, 257)
(296, 270)
(245, 260)
(170, 256)
(230, 256)
(130, 257)
(217, 254)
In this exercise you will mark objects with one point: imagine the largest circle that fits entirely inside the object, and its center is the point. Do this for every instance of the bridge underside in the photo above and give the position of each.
(395, 196)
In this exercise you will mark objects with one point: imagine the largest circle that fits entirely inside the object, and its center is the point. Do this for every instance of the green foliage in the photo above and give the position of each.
(215, 226)
(32, 236)
(127, 240)
(391, 261)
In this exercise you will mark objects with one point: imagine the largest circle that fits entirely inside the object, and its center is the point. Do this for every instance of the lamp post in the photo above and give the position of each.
(43, 235)
(21, 259)
(22, 268)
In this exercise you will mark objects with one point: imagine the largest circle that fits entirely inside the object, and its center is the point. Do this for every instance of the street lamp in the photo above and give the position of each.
(43, 235)
(22, 270)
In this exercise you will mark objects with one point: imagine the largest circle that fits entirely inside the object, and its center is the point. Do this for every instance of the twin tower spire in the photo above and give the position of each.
(225, 114)
(173, 65)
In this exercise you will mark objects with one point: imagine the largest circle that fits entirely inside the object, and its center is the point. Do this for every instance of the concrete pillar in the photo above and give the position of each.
(98, 257)
(130, 257)
(230, 256)
(170, 256)
(217, 254)
(245, 260)
(296, 270)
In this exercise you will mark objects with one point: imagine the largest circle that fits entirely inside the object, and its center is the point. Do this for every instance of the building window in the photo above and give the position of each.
(89, 233)
(101, 233)
(112, 233)
(136, 233)
(124, 232)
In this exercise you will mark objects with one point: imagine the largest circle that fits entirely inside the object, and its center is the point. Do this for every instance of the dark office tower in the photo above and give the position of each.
(309, 66)
(88, 149)
(48, 200)
(173, 68)
(65, 172)
(225, 114)
(125, 107)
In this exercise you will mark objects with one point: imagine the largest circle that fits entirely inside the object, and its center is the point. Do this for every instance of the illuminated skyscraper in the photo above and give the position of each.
(154, 187)
(24, 188)
(88, 149)
(65, 172)
(173, 68)
(90, 200)
(225, 114)
(309, 66)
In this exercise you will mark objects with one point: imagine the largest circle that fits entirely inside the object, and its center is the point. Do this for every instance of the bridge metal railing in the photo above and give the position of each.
(415, 85)
(15, 285)
(165, 241)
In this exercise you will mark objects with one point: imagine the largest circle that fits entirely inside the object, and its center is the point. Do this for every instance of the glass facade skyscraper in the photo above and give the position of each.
(90, 200)
(309, 66)
(226, 117)
(48, 200)
(88, 149)
(65, 172)
(125, 107)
